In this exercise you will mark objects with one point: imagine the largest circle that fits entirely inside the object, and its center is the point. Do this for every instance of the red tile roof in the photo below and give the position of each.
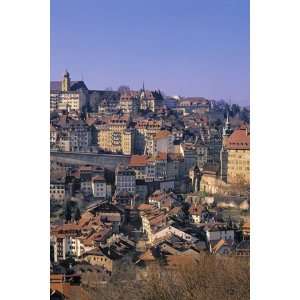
(138, 160)
(162, 134)
(239, 139)
(145, 206)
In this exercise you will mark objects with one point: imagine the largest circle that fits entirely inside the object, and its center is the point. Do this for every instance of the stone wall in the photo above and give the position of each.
(108, 161)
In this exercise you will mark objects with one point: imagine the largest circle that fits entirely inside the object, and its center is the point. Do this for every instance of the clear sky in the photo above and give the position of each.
(183, 47)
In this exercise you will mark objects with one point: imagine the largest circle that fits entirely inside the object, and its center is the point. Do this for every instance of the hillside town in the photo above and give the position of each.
(143, 180)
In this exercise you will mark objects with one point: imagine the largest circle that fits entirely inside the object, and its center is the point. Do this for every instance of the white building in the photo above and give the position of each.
(75, 136)
(99, 187)
(68, 246)
(71, 100)
(57, 191)
(161, 141)
(167, 231)
(125, 181)
(53, 136)
(215, 232)
(67, 94)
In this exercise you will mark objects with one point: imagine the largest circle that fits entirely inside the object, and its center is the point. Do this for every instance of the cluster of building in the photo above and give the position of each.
(179, 165)
(158, 233)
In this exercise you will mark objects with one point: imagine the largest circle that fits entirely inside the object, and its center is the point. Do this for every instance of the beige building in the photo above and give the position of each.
(129, 102)
(161, 141)
(116, 136)
(147, 100)
(97, 258)
(235, 157)
(145, 128)
(117, 141)
(99, 187)
(71, 100)
(57, 191)
(53, 136)
(68, 95)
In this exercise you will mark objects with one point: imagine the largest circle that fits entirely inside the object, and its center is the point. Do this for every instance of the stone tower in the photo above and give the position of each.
(66, 82)
(227, 131)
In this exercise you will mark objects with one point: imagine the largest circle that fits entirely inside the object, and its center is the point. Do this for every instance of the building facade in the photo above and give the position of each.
(57, 191)
(161, 141)
(235, 157)
(117, 136)
(145, 129)
(68, 95)
(74, 136)
(99, 187)
(129, 102)
(125, 180)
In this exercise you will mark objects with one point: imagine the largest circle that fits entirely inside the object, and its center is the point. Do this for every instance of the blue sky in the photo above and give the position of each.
(187, 48)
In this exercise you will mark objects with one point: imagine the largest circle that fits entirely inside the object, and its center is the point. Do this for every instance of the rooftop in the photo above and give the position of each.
(239, 139)
(138, 160)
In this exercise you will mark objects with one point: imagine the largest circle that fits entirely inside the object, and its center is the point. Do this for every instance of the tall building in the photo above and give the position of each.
(235, 157)
(214, 146)
(227, 130)
(125, 180)
(161, 141)
(145, 128)
(66, 82)
(151, 101)
(129, 102)
(99, 187)
(74, 136)
(68, 95)
(116, 136)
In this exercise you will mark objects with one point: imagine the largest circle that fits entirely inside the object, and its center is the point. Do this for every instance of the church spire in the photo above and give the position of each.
(227, 128)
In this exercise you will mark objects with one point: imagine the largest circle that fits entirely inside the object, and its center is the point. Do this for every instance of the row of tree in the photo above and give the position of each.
(71, 212)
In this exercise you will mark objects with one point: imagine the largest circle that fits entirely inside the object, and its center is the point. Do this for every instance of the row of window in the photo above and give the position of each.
(59, 191)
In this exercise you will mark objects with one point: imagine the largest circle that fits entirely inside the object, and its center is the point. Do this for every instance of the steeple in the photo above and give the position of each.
(227, 128)
(227, 118)
(66, 82)
(143, 93)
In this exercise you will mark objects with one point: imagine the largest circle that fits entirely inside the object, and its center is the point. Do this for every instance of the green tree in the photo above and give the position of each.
(77, 214)
(68, 212)
(235, 109)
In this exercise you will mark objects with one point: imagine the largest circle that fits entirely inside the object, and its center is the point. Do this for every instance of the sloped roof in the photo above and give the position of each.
(75, 85)
(162, 134)
(138, 160)
(239, 139)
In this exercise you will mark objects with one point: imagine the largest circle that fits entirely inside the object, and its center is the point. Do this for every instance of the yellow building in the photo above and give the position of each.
(67, 94)
(129, 102)
(66, 82)
(145, 128)
(235, 157)
(96, 257)
(72, 100)
(116, 136)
